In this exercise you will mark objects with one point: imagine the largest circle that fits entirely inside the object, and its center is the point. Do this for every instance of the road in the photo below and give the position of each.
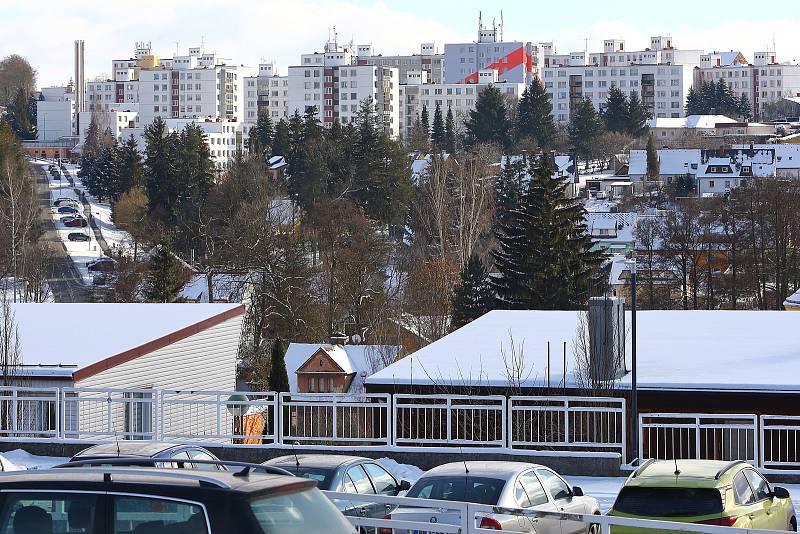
(63, 278)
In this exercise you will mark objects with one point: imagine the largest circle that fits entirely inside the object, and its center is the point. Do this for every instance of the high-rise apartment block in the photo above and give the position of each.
(268, 93)
(429, 60)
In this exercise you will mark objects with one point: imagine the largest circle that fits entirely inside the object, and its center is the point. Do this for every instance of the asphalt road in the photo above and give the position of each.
(63, 278)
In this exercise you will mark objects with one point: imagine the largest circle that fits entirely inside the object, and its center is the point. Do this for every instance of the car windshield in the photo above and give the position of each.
(669, 502)
(299, 513)
(479, 490)
(322, 476)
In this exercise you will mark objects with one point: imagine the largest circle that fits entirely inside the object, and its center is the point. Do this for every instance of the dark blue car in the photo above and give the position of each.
(67, 209)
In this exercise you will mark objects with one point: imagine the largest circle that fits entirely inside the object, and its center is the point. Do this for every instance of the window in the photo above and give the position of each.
(312, 384)
(140, 514)
(383, 482)
(742, 491)
(760, 487)
(533, 489)
(50, 512)
(558, 488)
(138, 415)
(360, 480)
(310, 511)
(711, 184)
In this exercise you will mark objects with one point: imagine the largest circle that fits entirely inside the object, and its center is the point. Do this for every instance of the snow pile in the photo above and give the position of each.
(23, 460)
(407, 472)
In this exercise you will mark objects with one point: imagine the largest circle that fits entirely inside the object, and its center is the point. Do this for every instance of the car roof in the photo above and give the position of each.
(144, 449)
(160, 480)
(324, 461)
(691, 473)
(493, 469)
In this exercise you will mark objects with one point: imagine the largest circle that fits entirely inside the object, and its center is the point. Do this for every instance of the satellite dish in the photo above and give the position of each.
(356, 339)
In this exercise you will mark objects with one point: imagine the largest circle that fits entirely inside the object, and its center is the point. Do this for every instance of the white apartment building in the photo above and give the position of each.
(267, 92)
(56, 115)
(121, 117)
(336, 86)
(661, 75)
(514, 61)
(460, 97)
(429, 60)
(763, 82)
(223, 136)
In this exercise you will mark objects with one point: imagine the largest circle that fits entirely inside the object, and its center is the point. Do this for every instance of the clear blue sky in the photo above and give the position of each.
(248, 31)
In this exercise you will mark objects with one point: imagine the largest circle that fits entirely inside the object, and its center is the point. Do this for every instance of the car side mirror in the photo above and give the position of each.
(780, 493)
(405, 485)
(577, 491)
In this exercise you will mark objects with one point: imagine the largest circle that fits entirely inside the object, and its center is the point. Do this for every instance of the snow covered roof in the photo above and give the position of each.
(227, 288)
(621, 226)
(702, 122)
(351, 358)
(716, 350)
(671, 161)
(793, 300)
(80, 335)
(565, 165)
(787, 156)
(277, 162)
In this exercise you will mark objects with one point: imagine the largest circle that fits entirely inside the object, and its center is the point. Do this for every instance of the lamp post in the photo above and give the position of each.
(634, 394)
(237, 406)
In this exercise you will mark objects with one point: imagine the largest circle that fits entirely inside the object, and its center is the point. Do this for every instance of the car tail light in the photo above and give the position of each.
(385, 530)
(720, 521)
(490, 523)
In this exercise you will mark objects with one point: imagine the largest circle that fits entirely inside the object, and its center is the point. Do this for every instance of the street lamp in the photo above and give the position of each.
(634, 394)
(237, 406)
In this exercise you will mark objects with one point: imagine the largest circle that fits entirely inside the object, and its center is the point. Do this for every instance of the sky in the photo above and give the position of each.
(249, 32)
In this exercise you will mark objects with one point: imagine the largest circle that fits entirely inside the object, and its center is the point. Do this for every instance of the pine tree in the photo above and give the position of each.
(265, 130)
(535, 116)
(254, 148)
(726, 102)
(129, 169)
(488, 122)
(425, 120)
(19, 116)
(280, 143)
(438, 133)
(708, 99)
(694, 102)
(278, 376)
(473, 297)
(450, 132)
(194, 182)
(160, 169)
(653, 165)
(744, 109)
(543, 253)
(616, 113)
(418, 138)
(584, 129)
(637, 116)
(163, 279)
(510, 185)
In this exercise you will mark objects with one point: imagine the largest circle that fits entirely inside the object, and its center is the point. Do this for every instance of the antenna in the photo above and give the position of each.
(113, 425)
(677, 471)
(501, 25)
(176, 48)
(466, 471)
(296, 459)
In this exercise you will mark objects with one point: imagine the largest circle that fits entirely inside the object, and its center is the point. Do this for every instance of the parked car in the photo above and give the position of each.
(507, 484)
(151, 449)
(123, 500)
(67, 209)
(65, 200)
(709, 492)
(104, 265)
(78, 236)
(346, 474)
(75, 222)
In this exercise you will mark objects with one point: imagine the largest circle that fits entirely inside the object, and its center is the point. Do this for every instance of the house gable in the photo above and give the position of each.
(321, 374)
(320, 362)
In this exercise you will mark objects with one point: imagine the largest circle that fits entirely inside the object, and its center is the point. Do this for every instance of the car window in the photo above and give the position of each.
(27, 513)
(557, 487)
(480, 490)
(360, 480)
(759, 485)
(384, 482)
(302, 512)
(349, 487)
(151, 515)
(742, 490)
(521, 496)
(197, 454)
(533, 487)
(182, 455)
(669, 502)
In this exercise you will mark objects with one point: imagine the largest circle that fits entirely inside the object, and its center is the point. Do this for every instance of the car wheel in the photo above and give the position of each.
(792, 525)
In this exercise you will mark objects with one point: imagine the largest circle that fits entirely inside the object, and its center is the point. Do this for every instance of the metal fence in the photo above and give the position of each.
(322, 419)
(29, 413)
(779, 443)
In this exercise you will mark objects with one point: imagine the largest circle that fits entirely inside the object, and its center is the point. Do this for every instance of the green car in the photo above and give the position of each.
(706, 492)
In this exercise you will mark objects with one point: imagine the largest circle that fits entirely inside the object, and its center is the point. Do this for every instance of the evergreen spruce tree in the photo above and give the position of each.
(488, 122)
(129, 169)
(254, 147)
(419, 138)
(163, 280)
(425, 119)
(584, 129)
(744, 109)
(278, 376)
(543, 254)
(535, 116)
(637, 116)
(449, 132)
(616, 113)
(694, 102)
(438, 133)
(511, 183)
(708, 99)
(653, 165)
(160, 169)
(19, 116)
(265, 130)
(194, 182)
(280, 142)
(726, 102)
(473, 297)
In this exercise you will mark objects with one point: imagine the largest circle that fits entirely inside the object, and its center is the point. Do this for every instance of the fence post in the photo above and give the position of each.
(567, 439)
(58, 414)
(449, 420)
(761, 432)
(510, 423)
(335, 432)
(109, 419)
(696, 438)
(393, 415)
(219, 415)
(160, 426)
(641, 438)
(503, 430)
(624, 422)
(14, 410)
(279, 417)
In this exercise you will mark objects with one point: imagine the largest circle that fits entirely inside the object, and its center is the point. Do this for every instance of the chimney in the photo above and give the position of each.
(606, 338)
(338, 338)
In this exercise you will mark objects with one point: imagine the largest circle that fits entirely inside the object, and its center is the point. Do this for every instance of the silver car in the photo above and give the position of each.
(506, 484)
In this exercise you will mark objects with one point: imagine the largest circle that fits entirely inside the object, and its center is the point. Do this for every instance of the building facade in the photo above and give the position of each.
(268, 92)
(56, 113)
(429, 60)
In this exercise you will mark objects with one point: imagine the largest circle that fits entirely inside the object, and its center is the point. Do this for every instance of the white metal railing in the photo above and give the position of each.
(335, 419)
(447, 420)
(779, 445)
(464, 518)
(104, 414)
(29, 413)
(567, 423)
(699, 436)
(219, 416)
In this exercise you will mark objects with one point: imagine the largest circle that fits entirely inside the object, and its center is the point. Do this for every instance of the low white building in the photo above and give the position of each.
(666, 130)
(673, 164)
(56, 114)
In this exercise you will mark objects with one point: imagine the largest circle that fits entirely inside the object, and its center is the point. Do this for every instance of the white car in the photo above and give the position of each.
(506, 484)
